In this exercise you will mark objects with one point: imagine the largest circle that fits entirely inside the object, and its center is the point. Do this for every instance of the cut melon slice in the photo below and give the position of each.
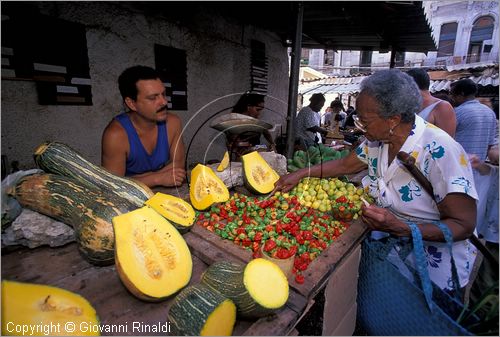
(224, 163)
(35, 306)
(180, 213)
(152, 258)
(257, 289)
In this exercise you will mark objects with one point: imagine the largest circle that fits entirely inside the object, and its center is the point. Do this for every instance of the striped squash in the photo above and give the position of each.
(257, 289)
(88, 210)
(200, 311)
(59, 158)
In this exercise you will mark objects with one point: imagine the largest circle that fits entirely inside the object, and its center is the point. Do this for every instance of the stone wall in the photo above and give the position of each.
(118, 36)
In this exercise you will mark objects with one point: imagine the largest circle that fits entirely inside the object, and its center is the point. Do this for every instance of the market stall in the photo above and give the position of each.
(121, 313)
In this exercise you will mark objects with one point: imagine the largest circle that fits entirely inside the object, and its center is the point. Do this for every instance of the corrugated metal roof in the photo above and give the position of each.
(482, 75)
(479, 80)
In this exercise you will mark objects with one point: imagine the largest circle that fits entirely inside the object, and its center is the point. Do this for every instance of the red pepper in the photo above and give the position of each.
(255, 246)
(307, 235)
(282, 253)
(246, 242)
(257, 237)
(270, 245)
(299, 278)
(341, 199)
(256, 254)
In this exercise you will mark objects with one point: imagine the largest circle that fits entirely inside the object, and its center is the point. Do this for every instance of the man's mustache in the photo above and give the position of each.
(162, 109)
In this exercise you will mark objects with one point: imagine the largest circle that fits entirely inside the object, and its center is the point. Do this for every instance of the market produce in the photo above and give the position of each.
(258, 176)
(58, 158)
(201, 311)
(177, 211)
(280, 223)
(257, 289)
(314, 155)
(152, 258)
(35, 306)
(224, 163)
(206, 188)
(342, 198)
(88, 210)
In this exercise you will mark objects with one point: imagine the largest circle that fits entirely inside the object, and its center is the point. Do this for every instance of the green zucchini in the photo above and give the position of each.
(58, 158)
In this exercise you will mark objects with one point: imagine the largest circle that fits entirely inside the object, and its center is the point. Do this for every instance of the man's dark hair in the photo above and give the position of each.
(317, 97)
(336, 103)
(130, 76)
(421, 78)
(246, 100)
(465, 87)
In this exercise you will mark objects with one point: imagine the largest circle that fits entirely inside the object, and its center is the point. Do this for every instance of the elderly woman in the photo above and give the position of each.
(386, 113)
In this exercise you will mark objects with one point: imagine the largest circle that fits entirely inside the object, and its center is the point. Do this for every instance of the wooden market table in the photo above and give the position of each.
(64, 267)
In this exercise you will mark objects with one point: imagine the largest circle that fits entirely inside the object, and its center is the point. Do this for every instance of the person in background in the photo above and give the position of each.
(144, 143)
(434, 110)
(337, 116)
(250, 104)
(487, 226)
(307, 122)
(387, 108)
(476, 131)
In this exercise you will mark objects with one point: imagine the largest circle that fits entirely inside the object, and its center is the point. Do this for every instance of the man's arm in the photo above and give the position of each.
(114, 148)
(177, 150)
(458, 212)
(444, 117)
(316, 128)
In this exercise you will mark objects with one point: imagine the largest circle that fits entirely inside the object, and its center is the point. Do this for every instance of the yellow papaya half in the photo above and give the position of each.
(151, 256)
(206, 188)
(258, 176)
(35, 309)
(180, 213)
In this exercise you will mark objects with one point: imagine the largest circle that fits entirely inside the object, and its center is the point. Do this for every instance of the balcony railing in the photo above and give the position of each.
(457, 60)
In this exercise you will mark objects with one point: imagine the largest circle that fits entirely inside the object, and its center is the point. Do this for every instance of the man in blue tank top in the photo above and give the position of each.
(145, 142)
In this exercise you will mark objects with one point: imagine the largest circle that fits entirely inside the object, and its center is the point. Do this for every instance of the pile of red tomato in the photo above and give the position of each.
(280, 223)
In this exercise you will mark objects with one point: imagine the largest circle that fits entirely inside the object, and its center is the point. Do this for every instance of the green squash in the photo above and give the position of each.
(58, 158)
(88, 210)
(200, 311)
(257, 289)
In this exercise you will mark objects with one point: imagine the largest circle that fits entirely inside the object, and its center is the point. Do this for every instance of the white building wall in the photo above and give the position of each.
(218, 71)
(464, 13)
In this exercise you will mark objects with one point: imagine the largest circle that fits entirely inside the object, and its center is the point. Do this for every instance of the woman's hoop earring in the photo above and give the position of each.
(391, 132)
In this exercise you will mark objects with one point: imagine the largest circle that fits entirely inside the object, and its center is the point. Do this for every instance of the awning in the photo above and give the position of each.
(483, 75)
(337, 25)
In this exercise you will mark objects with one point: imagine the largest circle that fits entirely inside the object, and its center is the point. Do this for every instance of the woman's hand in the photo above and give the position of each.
(381, 219)
(287, 182)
